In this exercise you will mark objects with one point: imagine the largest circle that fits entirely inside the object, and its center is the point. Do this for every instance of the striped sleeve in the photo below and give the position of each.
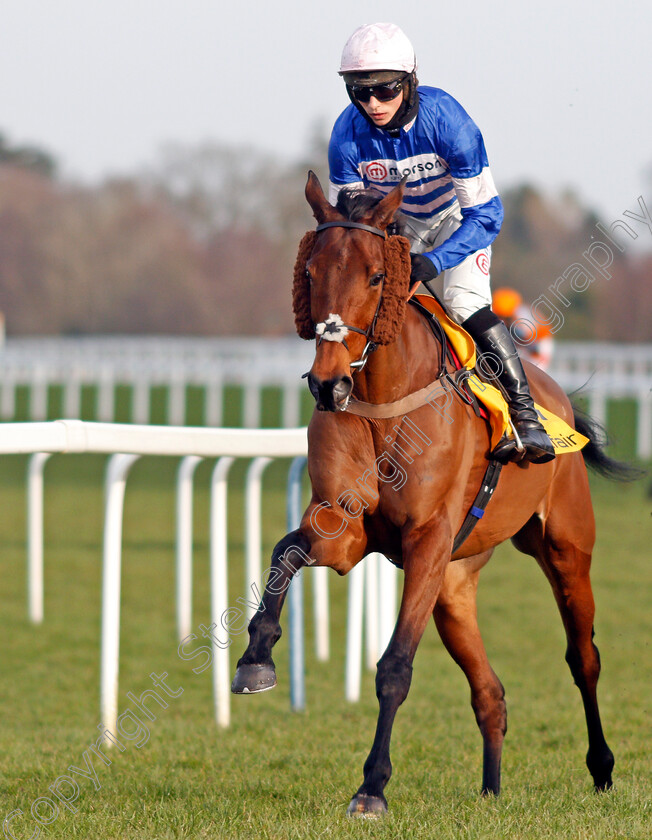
(480, 226)
(461, 145)
(475, 190)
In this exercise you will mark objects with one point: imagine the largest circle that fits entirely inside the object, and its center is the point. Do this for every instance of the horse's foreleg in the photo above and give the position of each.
(425, 560)
(456, 619)
(255, 671)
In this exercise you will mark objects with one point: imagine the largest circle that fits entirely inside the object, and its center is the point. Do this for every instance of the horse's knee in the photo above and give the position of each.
(393, 678)
(336, 540)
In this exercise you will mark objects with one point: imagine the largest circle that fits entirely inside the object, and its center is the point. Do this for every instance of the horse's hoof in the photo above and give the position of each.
(601, 787)
(252, 679)
(601, 768)
(363, 805)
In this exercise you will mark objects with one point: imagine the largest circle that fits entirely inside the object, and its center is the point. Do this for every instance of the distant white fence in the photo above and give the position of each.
(609, 371)
(145, 363)
(604, 371)
(371, 582)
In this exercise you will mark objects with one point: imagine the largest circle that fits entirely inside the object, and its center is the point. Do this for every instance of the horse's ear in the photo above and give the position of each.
(385, 210)
(321, 208)
(395, 290)
(301, 289)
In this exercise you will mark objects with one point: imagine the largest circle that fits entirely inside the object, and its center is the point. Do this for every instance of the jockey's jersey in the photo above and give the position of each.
(443, 155)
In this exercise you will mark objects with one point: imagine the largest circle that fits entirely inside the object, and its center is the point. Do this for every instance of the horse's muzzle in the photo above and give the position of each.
(332, 394)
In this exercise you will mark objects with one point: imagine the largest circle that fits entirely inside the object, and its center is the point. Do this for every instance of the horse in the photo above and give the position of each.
(402, 486)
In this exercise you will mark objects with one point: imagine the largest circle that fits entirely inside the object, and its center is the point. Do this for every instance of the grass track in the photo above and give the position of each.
(279, 775)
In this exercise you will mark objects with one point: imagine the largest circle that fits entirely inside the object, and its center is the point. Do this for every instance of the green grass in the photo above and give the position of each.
(275, 774)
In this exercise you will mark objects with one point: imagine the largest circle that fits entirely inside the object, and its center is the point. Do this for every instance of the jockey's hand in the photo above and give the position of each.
(422, 270)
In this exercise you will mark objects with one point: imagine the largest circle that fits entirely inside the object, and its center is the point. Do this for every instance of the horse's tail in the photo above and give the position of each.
(594, 455)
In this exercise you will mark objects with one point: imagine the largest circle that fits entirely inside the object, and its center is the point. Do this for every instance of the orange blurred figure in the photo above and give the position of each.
(533, 340)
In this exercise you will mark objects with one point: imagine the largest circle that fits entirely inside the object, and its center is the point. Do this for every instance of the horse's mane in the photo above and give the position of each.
(355, 203)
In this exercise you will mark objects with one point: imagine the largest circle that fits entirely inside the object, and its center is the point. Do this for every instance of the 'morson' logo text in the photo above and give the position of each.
(377, 170)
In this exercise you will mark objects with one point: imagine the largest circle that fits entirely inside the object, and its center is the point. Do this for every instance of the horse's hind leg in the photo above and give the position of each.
(567, 570)
(563, 550)
(456, 619)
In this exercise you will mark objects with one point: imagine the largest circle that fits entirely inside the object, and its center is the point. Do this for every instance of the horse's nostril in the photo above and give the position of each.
(331, 393)
(342, 388)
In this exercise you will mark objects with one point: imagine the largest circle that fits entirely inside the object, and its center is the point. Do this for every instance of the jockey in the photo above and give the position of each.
(451, 209)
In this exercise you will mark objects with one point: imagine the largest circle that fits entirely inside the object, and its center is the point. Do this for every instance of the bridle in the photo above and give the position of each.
(371, 345)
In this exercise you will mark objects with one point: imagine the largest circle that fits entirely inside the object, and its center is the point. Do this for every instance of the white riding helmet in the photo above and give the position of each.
(378, 46)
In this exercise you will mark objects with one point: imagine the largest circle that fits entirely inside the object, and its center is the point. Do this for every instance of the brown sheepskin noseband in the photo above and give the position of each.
(301, 289)
(394, 294)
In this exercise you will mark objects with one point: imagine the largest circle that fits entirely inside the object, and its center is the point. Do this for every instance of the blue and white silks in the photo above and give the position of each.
(443, 154)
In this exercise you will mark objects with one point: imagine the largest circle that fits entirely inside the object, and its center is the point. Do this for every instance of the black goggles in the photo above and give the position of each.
(383, 93)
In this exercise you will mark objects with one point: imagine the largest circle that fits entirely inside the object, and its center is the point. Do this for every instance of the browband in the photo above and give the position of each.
(357, 225)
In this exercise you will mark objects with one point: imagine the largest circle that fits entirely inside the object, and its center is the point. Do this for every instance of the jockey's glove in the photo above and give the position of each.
(423, 269)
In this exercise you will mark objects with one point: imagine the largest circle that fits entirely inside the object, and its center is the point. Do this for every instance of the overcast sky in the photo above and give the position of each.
(562, 91)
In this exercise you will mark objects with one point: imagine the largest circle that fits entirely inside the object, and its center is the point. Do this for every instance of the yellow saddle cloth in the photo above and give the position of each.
(563, 437)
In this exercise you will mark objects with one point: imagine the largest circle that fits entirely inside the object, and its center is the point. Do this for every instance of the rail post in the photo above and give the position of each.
(116, 480)
(35, 470)
(295, 594)
(253, 535)
(219, 589)
(185, 475)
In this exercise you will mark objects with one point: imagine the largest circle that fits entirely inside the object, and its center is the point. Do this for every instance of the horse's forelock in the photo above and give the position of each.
(357, 204)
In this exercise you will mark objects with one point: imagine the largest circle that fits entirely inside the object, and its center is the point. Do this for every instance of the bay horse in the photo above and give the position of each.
(351, 285)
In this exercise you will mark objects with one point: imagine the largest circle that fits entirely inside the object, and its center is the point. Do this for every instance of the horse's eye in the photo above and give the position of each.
(308, 276)
(377, 279)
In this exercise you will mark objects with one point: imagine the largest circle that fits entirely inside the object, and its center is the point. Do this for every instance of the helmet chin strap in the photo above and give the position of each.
(403, 116)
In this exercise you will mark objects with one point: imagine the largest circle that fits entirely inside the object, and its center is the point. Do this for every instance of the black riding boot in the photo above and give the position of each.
(494, 340)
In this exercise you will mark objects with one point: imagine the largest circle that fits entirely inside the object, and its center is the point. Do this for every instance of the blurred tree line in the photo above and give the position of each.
(204, 241)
